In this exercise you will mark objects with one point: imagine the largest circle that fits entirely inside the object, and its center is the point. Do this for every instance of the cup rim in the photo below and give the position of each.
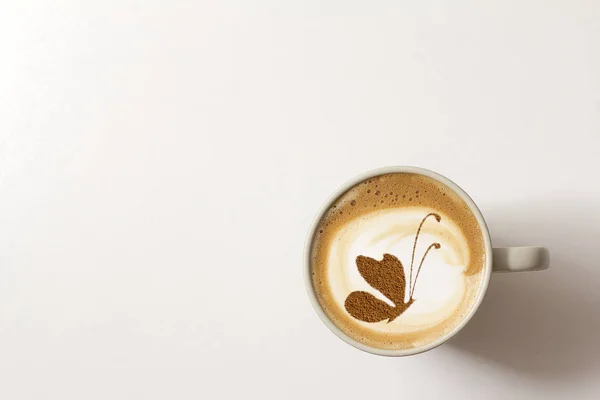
(341, 190)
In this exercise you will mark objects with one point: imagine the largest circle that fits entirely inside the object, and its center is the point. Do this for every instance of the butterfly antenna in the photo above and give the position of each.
(412, 260)
(433, 245)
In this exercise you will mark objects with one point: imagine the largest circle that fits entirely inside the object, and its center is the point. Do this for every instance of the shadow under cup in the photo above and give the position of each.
(474, 304)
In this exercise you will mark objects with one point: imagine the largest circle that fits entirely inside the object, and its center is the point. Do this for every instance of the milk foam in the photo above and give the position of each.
(381, 215)
(441, 285)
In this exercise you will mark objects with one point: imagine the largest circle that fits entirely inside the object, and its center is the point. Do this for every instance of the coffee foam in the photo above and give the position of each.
(380, 216)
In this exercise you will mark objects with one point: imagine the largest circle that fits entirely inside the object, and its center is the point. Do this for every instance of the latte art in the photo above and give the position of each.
(386, 235)
(402, 271)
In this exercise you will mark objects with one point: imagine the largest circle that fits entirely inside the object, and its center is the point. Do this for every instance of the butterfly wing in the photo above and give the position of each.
(368, 308)
(386, 275)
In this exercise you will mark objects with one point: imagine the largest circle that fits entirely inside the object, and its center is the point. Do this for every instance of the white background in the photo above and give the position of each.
(160, 164)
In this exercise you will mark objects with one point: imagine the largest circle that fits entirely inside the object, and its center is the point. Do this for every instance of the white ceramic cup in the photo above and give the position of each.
(499, 259)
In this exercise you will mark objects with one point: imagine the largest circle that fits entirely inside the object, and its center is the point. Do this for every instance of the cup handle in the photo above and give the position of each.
(517, 259)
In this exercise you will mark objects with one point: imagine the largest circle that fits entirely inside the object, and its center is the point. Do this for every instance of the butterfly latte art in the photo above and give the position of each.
(397, 261)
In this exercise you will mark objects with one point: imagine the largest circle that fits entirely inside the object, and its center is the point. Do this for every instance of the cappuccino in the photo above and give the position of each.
(398, 261)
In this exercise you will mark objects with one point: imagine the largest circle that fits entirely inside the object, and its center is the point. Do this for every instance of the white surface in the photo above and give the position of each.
(161, 163)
